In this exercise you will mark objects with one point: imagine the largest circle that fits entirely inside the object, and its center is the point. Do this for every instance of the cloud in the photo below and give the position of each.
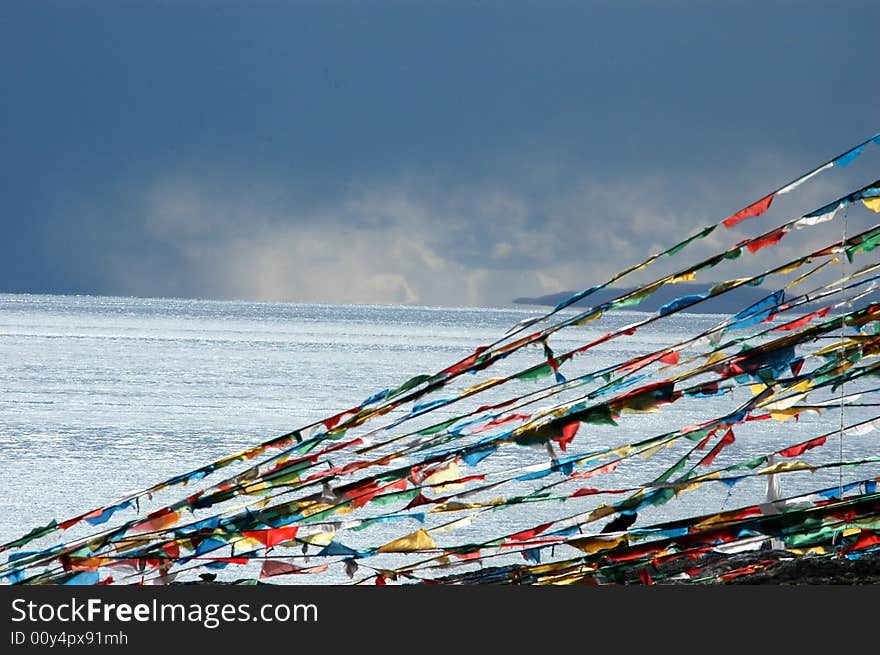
(423, 240)
(367, 248)
(405, 242)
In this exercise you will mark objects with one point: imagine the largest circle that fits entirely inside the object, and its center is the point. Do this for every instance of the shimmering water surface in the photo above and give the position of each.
(99, 395)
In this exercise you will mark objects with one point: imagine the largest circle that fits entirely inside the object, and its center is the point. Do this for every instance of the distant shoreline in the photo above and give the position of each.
(730, 302)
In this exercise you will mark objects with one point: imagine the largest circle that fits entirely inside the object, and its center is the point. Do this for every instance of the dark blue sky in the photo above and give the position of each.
(445, 152)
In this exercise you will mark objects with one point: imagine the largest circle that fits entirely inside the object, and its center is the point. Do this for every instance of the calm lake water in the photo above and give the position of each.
(100, 395)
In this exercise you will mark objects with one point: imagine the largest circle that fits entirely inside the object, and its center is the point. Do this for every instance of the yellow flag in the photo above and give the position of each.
(694, 484)
(641, 410)
(872, 523)
(785, 467)
(564, 580)
(444, 474)
(872, 203)
(601, 512)
(231, 458)
(128, 543)
(312, 508)
(711, 520)
(827, 350)
(479, 387)
(590, 545)
(458, 506)
(653, 450)
(256, 488)
(723, 286)
(791, 267)
(589, 318)
(247, 542)
(621, 451)
(815, 550)
(757, 388)
(684, 277)
(253, 452)
(318, 539)
(418, 540)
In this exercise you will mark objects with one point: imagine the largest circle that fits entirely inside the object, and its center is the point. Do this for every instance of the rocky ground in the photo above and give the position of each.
(774, 567)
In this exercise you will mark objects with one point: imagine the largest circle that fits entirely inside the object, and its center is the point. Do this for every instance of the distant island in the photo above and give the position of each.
(729, 303)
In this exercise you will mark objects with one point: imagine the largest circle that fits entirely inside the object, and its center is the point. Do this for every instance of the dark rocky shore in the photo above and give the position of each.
(781, 568)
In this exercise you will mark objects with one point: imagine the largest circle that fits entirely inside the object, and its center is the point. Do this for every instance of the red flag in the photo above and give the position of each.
(800, 322)
(639, 363)
(705, 440)
(725, 441)
(94, 514)
(485, 408)
(670, 358)
(419, 500)
(586, 491)
(799, 449)
(158, 520)
(68, 524)
(754, 510)
(706, 389)
(768, 240)
(271, 567)
(525, 535)
(866, 539)
(273, 536)
(591, 491)
(364, 493)
(568, 432)
(333, 421)
(605, 337)
(755, 209)
(465, 364)
(610, 467)
(501, 421)
(274, 567)
(171, 548)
